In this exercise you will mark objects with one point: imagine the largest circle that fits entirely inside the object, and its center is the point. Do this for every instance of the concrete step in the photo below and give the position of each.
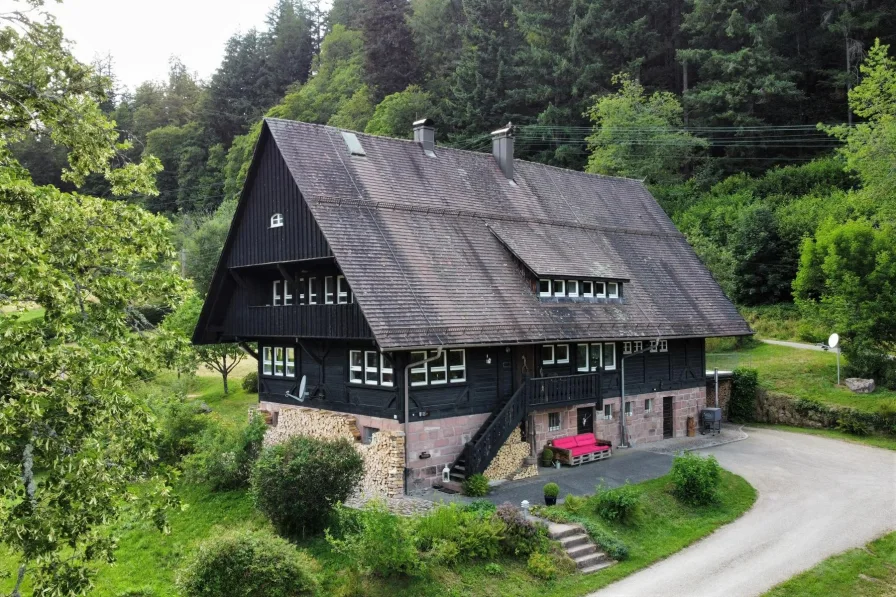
(574, 540)
(581, 550)
(596, 567)
(557, 531)
(591, 559)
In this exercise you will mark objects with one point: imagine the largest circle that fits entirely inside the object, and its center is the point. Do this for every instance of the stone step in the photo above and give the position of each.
(591, 559)
(574, 540)
(458, 477)
(557, 531)
(581, 550)
(596, 567)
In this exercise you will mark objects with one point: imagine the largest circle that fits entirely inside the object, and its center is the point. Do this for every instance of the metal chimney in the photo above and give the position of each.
(425, 135)
(502, 149)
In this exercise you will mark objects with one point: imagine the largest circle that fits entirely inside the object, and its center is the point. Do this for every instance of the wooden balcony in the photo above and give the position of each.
(301, 321)
(562, 390)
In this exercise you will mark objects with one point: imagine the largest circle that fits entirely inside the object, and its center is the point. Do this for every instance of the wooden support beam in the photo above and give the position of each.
(248, 350)
(237, 278)
(286, 275)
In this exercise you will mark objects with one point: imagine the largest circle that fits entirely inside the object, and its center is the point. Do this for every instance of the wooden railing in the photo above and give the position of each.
(535, 393)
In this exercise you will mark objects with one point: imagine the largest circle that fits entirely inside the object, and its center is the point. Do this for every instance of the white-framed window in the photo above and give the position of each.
(276, 220)
(267, 360)
(664, 346)
(279, 362)
(438, 369)
(629, 408)
(457, 366)
(588, 289)
(287, 293)
(371, 367)
(387, 374)
(290, 361)
(367, 434)
(608, 412)
(561, 353)
(301, 287)
(329, 290)
(612, 290)
(600, 290)
(582, 357)
(276, 298)
(355, 366)
(553, 421)
(638, 345)
(648, 405)
(419, 375)
(653, 346)
(572, 288)
(547, 354)
(626, 348)
(559, 287)
(312, 291)
(342, 291)
(610, 356)
(594, 356)
(544, 287)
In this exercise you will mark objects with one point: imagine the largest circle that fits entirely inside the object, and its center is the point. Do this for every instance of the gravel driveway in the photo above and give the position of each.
(817, 497)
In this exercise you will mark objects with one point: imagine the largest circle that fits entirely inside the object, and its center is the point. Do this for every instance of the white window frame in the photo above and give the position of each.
(559, 424)
(664, 346)
(421, 369)
(584, 368)
(562, 284)
(626, 348)
(301, 286)
(290, 354)
(462, 367)
(279, 361)
(600, 360)
(557, 358)
(648, 406)
(329, 291)
(545, 361)
(276, 220)
(342, 291)
(590, 286)
(275, 301)
(653, 346)
(638, 345)
(629, 408)
(374, 369)
(267, 360)
(384, 370)
(603, 359)
(368, 433)
(287, 295)
(612, 290)
(441, 367)
(603, 290)
(608, 412)
(312, 295)
(550, 287)
(352, 368)
(572, 288)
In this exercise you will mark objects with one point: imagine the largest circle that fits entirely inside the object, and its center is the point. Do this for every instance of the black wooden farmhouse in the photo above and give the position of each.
(500, 292)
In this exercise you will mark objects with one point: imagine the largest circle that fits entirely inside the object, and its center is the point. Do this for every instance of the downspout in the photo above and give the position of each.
(407, 412)
(624, 431)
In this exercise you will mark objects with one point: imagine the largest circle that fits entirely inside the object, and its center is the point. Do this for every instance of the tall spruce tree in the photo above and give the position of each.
(390, 61)
(291, 38)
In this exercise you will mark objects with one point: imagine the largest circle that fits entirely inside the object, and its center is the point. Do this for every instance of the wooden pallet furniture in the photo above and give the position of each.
(579, 449)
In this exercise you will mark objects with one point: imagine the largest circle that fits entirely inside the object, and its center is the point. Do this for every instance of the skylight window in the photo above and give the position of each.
(353, 144)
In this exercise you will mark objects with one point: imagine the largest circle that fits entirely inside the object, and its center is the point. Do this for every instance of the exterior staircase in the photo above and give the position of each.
(459, 468)
(579, 546)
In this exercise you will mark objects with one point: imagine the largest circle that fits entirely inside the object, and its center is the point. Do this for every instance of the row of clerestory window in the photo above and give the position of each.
(563, 288)
(326, 290)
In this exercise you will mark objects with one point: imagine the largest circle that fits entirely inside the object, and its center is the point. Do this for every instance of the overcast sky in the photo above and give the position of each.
(141, 36)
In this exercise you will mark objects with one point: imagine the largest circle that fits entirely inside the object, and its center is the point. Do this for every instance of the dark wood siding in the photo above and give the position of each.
(273, 190)
(295, 321)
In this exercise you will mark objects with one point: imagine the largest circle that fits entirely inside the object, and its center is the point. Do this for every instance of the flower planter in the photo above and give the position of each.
(550, 501)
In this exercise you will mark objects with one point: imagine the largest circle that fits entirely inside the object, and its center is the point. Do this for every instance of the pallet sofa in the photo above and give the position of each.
(579, 449)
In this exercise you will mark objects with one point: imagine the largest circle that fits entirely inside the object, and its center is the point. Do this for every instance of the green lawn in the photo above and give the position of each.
(800, 373)
(865, 572)
(877, 441)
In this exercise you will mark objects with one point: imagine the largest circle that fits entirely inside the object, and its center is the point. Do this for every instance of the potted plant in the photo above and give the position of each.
(551, 491)
(547, 457)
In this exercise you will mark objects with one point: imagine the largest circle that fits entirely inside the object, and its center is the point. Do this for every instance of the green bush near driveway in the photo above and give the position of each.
(696, 479)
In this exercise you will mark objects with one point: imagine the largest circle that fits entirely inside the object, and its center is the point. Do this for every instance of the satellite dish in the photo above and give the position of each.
(834, 340)
(301, 396)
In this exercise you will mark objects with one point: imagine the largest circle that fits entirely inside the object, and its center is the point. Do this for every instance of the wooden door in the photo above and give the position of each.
(668, 417)
(523, 365)
(585, 420)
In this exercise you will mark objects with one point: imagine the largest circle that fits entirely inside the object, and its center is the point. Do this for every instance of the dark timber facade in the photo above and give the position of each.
(352, 257)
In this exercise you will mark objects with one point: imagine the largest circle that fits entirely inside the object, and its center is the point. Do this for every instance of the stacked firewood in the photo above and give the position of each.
(509, 457)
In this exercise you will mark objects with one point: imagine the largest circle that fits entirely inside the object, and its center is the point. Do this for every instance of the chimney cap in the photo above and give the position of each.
(507, 130)
(424, 122)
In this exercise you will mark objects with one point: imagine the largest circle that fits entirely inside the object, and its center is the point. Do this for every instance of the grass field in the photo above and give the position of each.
(876, 441)
(869, 571)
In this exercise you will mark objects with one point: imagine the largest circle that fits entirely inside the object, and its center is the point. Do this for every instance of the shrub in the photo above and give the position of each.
(547, 457)
(180, 425)
(449, 532)
(521, 536)
(376, 541)
(251, 564)
(574, 503)
(494, 569)
(696, 480)
(541, 565)
(742, 404)
(551, 490)
(297, 483)
(483, 507)
(851, 422)
(250, 382)
(620, 504)
(224, 457)
(476, 485)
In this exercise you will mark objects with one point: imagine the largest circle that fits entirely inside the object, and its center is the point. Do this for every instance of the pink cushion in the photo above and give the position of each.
(582, 450)
(565, 442)
(586, 439)
(601, 448)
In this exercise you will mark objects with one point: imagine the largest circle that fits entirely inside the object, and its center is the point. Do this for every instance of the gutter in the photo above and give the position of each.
(407, 413)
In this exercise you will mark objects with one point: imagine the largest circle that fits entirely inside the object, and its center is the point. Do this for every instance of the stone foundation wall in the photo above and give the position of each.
(383, 456)
(443, 440)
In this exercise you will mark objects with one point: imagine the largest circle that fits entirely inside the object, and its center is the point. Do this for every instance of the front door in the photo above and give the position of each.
(668, 420)
(585, 420)
(523, 365)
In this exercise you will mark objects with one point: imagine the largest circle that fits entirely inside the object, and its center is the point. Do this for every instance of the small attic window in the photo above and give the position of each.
(276, 220)
(351, 141)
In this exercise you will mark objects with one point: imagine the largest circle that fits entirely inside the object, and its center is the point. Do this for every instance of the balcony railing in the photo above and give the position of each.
(309, 321)
(542, 392)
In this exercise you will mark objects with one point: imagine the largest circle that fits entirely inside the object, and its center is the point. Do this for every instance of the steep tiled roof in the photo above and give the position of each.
(430, 245)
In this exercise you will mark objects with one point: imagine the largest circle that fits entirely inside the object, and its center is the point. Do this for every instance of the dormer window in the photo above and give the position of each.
(554, 288)
(612, 290)
(544, 287)
(276, 220)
